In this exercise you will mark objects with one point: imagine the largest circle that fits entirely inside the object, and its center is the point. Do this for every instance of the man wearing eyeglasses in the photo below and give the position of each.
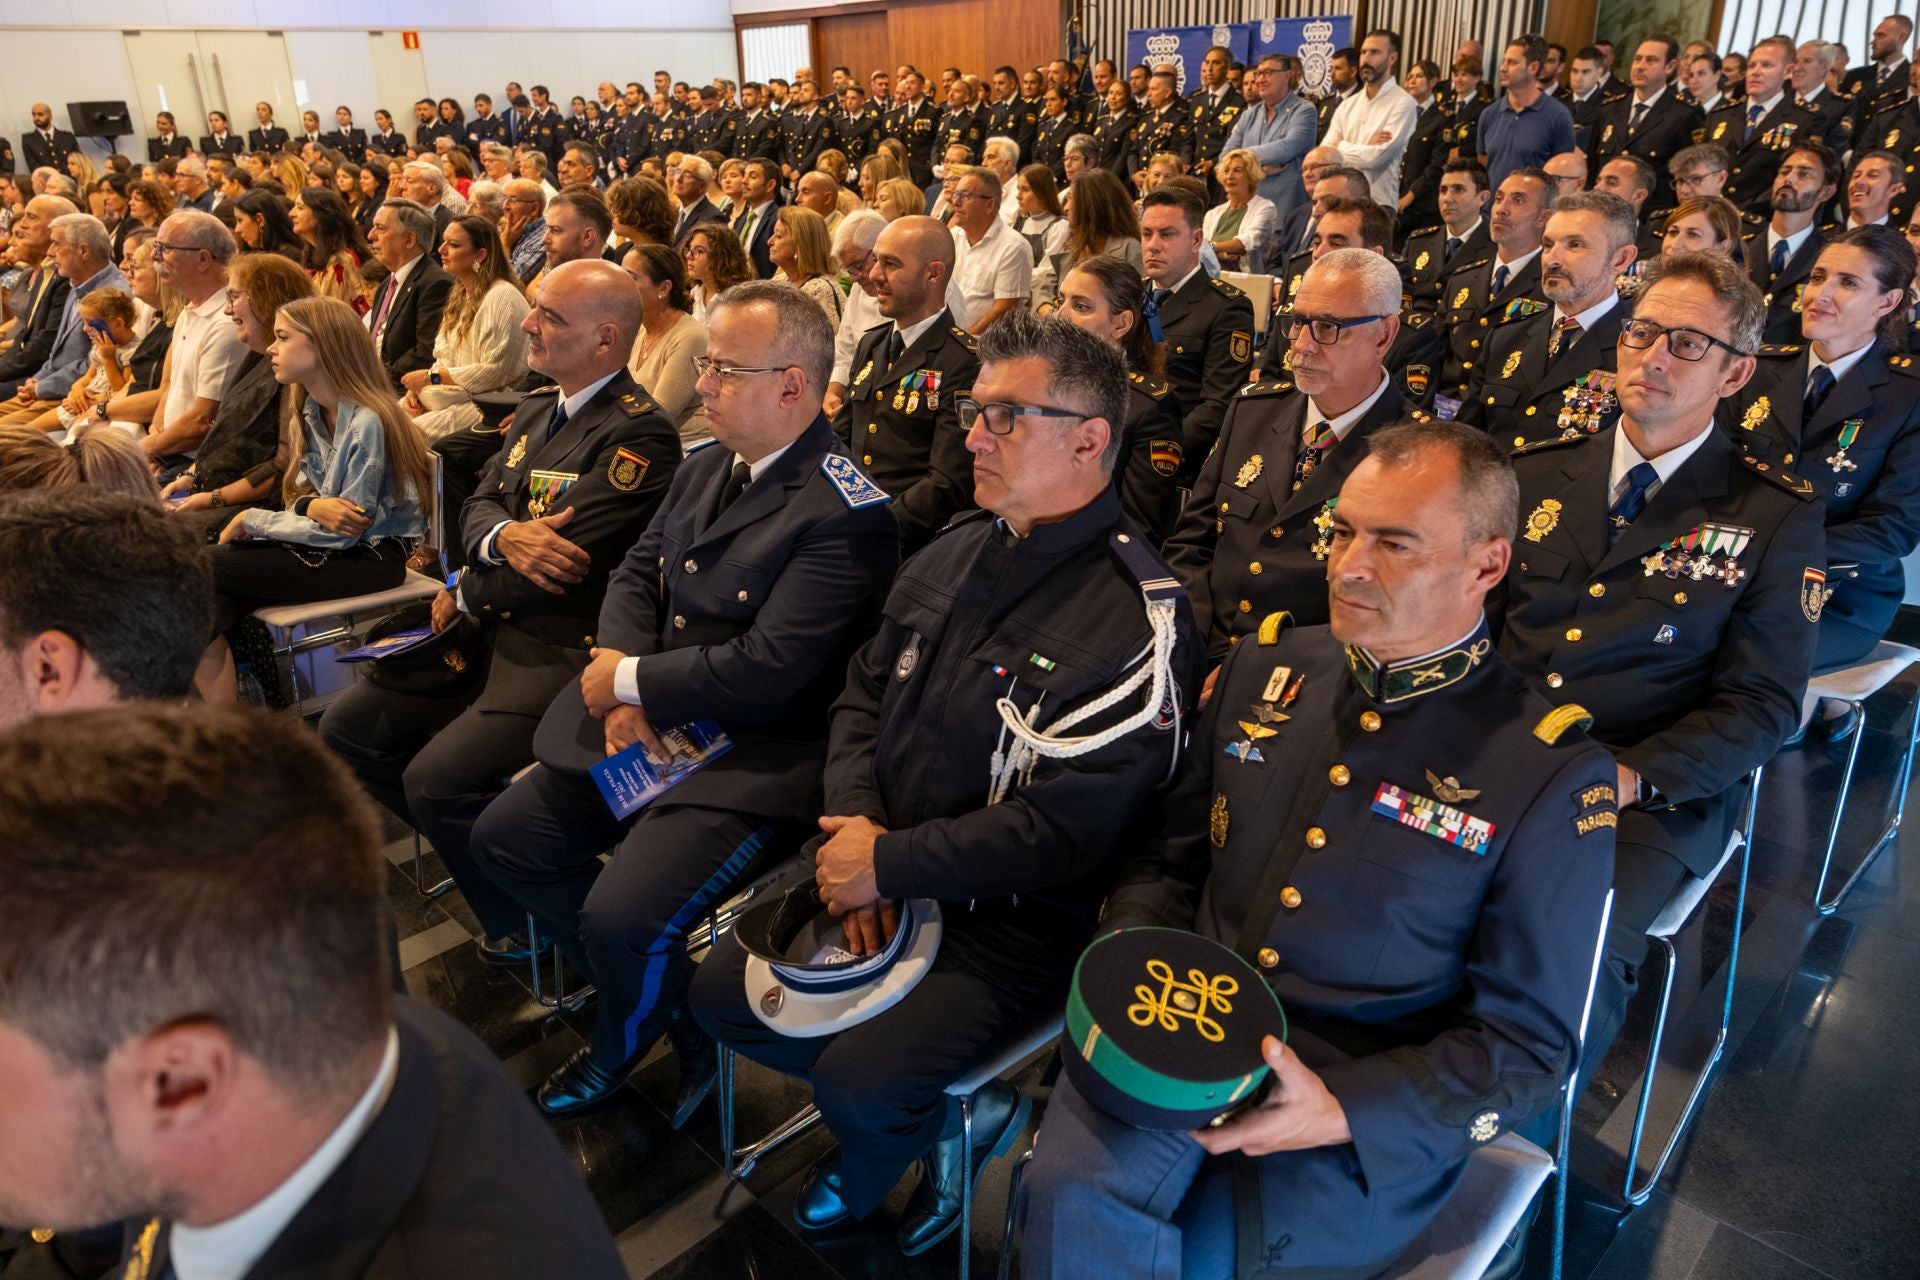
(190, 255)
(1671, 588)
(1247, 545)
(1046, 599)
(908, 373)
(1547, 373)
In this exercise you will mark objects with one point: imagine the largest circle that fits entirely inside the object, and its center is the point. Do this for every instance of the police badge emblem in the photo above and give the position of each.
(1542, 521)
(516, 454)
(1756, 413)
(1240, 345)
(1512, 365)
(1814, 592)
(1249, 471)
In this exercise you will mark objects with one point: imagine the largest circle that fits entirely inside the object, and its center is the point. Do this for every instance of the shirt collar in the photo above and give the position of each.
(1766, 108)
(1841, 365)
(228, 1250)
(1183, 279)
(1518, 265)
(574, 403)
(911, 334)
(1793, 241)
(757, 469)
(1464, 236)
(1344, 423)
(1591, 316)
(1428, 673)
(1626, 457)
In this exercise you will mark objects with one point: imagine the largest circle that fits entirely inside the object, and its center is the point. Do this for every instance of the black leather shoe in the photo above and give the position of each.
(578, 1083)
(819, 1205)
(999, 1113)
(1841, 727)
(506, 952)
(699, 1066)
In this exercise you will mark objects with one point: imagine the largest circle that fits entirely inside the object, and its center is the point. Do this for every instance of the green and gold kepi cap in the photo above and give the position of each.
(1164, 1028)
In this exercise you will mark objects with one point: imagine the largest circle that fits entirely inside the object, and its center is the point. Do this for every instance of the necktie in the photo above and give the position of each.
(1565, 334)
(1453, 247)
(1777, 260)
(1316, 439)
(1631, 503)
(737, 481)
(1817, 388)
(1500, 274)
(1306, 241)
(1639, 114)
(747, 220)
(1160, 297)
(559, 419)
(387, 291)
(1753, 119)
(896, 347)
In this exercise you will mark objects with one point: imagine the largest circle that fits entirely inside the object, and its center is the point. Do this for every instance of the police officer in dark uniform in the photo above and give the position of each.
(1050, 135)
(1421, 167)
(385, 139)
(1651, 122)
(1658, 548)
(1758, 143)
(899, 418)
(1843, 411)
(1551, 371)
(805, 131)
(1880, 82)
(1253, 538)
(1346, 82)
(1505, 283)
(1206, 323)
(961, 125)
(1212, 112)
(1422, 900)
(1113, 137)
(555, 510)
(741, 604)
(268, 136)
(543, 129)
(1008, 116)
(1780, 251)
(168, 145)
(1051, 599)
(428, 125)
(1431, 253)
(351, 141)
(486, 127)
(1464, 120)
(756, 133)
(916, 122)
(709, 130)
(856, 128)
(1165, 127)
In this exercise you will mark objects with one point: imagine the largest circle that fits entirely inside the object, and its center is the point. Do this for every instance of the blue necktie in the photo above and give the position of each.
(559, 419)
(1753, 119)
(1777, 262)
(1499, 279)
(1453, 247)
(1624, 512)
(1817, 387)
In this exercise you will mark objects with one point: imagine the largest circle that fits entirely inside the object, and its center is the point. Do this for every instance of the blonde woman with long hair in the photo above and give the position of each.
(353, 491)
(803, 253)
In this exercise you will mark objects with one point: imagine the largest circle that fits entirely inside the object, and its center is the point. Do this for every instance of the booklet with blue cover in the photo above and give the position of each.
(628, 781)
(387, 646)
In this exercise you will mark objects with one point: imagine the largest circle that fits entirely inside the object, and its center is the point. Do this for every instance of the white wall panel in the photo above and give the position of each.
(335, 69)
(50, 73)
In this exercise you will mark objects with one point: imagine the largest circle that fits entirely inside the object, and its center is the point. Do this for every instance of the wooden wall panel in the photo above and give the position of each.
(1571, 23)
(975, 35)
(856, 40)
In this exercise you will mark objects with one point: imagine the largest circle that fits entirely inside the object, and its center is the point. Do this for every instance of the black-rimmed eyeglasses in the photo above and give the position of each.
(1326, 330)
(1686, 344)
(998, 418)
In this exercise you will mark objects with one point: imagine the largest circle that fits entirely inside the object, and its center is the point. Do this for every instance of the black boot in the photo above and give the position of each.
(508, 951)
(999, 1113)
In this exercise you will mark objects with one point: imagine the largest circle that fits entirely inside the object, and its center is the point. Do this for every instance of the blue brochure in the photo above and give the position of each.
(629, 780)
(387, 646)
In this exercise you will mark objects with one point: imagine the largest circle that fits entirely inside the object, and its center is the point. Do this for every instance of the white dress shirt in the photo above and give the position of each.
(1626, 458)
(1358, 119)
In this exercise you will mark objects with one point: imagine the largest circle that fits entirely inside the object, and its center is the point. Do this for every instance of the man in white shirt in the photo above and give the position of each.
(1371, 129)
(199, 1030)
(993, 266)
(1002, 155)
(191, 254)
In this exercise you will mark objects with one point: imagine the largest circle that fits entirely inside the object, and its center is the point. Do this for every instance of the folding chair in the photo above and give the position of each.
(1679, 910)
(1854, 685)
(1259, 291)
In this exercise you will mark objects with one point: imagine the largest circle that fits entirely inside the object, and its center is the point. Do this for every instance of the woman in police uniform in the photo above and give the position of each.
(1842, 410)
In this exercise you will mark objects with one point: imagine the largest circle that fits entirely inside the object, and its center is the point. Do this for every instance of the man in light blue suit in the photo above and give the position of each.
(1278, 126)
(82, 251)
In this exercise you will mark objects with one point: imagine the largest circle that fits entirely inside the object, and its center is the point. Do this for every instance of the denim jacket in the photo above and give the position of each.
(349, 463)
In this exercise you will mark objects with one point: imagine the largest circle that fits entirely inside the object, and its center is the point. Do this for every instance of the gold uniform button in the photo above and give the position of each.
(41, 1234)
(1267, 957)
(873, 428)
(1223, 506)
(1290, 898)
(1597, 590)
(1788, 459)
(1530, 411)
(1254, 567)
(866, 460)
(1340, 775)
(506, 615)
(1278, 531)
(691, 565)
(1370, 721)
(1489, 399)
(588, 640)
(1573, 633)
(741, 597)
(679, 622)
(1679, 597)
(1316, 838)
(1554, 680)
(1246, 606)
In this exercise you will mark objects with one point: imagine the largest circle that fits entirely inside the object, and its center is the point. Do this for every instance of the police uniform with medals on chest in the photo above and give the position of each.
(962, 129)
(856, 135)
(1474, 305)
(1664, 127)
(1422, 901)
(1050, 144)
(1426, 262)
(1207, 326)
(918, 129)
(1254, 536)
(1781, 292)
(1012, 118)
(1756, 159)
(1411, 361)
(899, 420)
(1168, 130)
(610, 464)
(1211, 123)
(1540, 381)
(1421, 167)
(1860, 450)
(1463, 120)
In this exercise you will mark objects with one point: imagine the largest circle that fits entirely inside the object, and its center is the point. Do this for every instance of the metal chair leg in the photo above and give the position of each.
(559, 1001)
(1014, 1181)
(966, 1187)
(724, 1084)
(1827, 906)
(420, 885)
(791, 1128)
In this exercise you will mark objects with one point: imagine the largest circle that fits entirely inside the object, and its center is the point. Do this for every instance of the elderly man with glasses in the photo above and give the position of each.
(523, 228)
(1656, 548)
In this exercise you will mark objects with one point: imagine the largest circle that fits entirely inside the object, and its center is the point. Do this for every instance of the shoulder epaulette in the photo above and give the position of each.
(1799, 488)
(1468, 266)
(1903, 363)
(1424, 231)
(1554, 725)
(1550, 442)
(1779, 349)
(1754, 219)
(855, 487)
(1272, 625)
(1420, 415)
(1266, 387)
(1420, 319)
(540, 391)
(636, 403)
(1152, 386)
(966, 339)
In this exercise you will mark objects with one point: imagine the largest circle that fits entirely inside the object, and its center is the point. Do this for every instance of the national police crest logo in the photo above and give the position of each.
(626, 471)
(1316, 57)
(1165, 48)
(1418, 378)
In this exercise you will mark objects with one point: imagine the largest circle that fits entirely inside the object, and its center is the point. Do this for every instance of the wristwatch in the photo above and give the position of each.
(433, 376)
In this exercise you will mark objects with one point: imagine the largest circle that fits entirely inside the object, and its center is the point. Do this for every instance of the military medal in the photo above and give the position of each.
(1323, 544)
(931, 387)
(1849, 432)
(1245, 753)
(1512, 366)
(913, 402)
(1276, 683)
(1267, 713)
(1249, 471)
(1217, 818)
(1693, 552)
(1893, 138)
(899, 398)
(1586, 403)
(1449, 789)
(1542, 521)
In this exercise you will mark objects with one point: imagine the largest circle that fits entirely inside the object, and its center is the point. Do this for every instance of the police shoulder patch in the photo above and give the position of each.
(1799, 488)
(1151, 385)
(1554, 725)
(855, 487)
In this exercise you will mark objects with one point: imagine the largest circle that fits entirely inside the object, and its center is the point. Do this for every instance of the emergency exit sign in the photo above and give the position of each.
(409, 39)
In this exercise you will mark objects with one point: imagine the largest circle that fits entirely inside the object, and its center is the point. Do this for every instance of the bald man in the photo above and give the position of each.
(45, 146)
(819, 192)
(556, 510)
(898, 418)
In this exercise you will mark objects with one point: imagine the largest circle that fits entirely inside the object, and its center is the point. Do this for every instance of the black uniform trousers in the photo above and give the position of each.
(253, 575)
(881, 1085)
(623, 923)
(436, 761)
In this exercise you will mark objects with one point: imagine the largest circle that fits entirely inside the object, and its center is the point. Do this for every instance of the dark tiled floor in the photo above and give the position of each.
(1797, 1165)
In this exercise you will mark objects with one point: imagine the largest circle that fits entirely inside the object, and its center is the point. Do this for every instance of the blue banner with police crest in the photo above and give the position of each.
(1312, 40)
(1184, 47)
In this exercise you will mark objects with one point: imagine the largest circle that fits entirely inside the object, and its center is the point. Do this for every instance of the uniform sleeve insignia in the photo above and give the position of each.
(1554, 725)
(1814, 593)
(1420, 319)
(1166, 456)
(854, 486)
(627, 470)
(1418, 378)
(1595, 808)
(1240, 346)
